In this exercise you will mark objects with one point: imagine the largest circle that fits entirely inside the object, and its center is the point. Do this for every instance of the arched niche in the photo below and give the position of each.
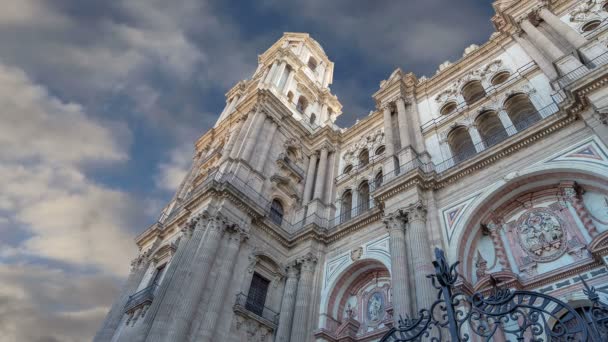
(529, 226)
(361, 292)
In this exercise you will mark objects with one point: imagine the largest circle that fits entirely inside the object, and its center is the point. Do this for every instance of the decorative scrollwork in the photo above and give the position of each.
(505, 314)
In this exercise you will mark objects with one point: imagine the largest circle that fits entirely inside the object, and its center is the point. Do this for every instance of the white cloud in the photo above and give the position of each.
(172, 172)
(43, 144)
(31, 295)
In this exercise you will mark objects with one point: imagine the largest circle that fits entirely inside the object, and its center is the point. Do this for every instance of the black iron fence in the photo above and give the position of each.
(504, 315)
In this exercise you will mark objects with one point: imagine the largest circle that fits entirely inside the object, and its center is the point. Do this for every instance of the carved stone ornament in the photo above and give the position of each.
(586, 10)
(453, 89)
(356, 254)
(370, 142)
(394, 221)
(481, 266)
(541, 234)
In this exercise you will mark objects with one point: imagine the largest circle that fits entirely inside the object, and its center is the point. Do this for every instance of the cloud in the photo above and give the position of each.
(38, 304)
(172, 172)
(61, 214)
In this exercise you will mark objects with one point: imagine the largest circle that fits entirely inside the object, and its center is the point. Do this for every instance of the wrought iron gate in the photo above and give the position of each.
(505, 315)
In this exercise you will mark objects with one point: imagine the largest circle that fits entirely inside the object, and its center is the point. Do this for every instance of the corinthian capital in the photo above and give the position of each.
(416, 212)
(236, 233)
(394, 221)
(307, 262)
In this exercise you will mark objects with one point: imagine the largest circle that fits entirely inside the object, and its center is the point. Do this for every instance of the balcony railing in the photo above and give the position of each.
(583, 70)
(359, 167)
(141, 298)
(243, 302)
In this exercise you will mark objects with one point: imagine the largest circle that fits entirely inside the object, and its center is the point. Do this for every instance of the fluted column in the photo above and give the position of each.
(159, 312)
(287, 305)
(395, 224)
(238, 143)
(290, 77)
(574, 38)
(300, 326)
(404, 133)
(539, 39)
(139, 266)
(310, 178)
(182, 309)
(279, 73)
(235, 236)
(232, 139)
(321, 172)
(388, 132)
(253, 135)
(266, 143)
(270, 75)
(420, 252)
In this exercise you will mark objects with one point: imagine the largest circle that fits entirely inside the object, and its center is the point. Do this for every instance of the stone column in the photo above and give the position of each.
(420, 251)
(404, 133)
(238, 143)
(329, 184)
(545, 65)
(252, 136)
(270, 75)
(388, 132)
(310, 177)
(540, 40)
(395, 223)
(324, 117)
(158, 314)
(321, 172)
(287, 305)
(217, 303)
(476, 138)
(506, 122)
(266, 143)
(574, 38)
(139, 266)
(279, 73)
(181, 309)
(300, 328)
(232, 139)
(412, 113)
(290, 77)
(572, 194)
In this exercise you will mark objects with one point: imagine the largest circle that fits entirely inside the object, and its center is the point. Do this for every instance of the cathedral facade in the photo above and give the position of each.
(290, 228)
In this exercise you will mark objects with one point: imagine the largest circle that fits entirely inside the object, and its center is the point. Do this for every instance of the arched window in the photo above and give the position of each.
(378, 179)
(302, 104)
(276, 211)
(347, 206)
(473, 92)
(348, 168)
(521, 111)
(312, 64)
(500, 78)
(380, 150)
(363, 190)
(283, 79)
(290, 97)
(461, 144)
(448, 108)
(313, 119)
(590, 26)
(490, 128)
(363, 157)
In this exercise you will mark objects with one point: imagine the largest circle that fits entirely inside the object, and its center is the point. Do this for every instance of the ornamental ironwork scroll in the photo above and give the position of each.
(505, 315)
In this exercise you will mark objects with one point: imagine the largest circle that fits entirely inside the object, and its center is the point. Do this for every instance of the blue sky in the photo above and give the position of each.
(101, 102)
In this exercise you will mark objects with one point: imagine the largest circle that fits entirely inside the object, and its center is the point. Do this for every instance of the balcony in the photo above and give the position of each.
(248, 307)
(582, 71)
(141, 298)
(290, 165)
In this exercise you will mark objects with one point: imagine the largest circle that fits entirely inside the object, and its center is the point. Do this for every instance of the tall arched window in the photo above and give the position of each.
(312, 64)
(363, 190)
(473, 92)
(302, 104)
(378, 179)
(283, 78)
(490, 128)
(461, 144)
(346, 206)
(276, 211)
(521, 111)
(363, 157)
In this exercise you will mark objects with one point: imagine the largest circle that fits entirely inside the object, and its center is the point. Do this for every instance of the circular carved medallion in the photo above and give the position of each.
(541, 234)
